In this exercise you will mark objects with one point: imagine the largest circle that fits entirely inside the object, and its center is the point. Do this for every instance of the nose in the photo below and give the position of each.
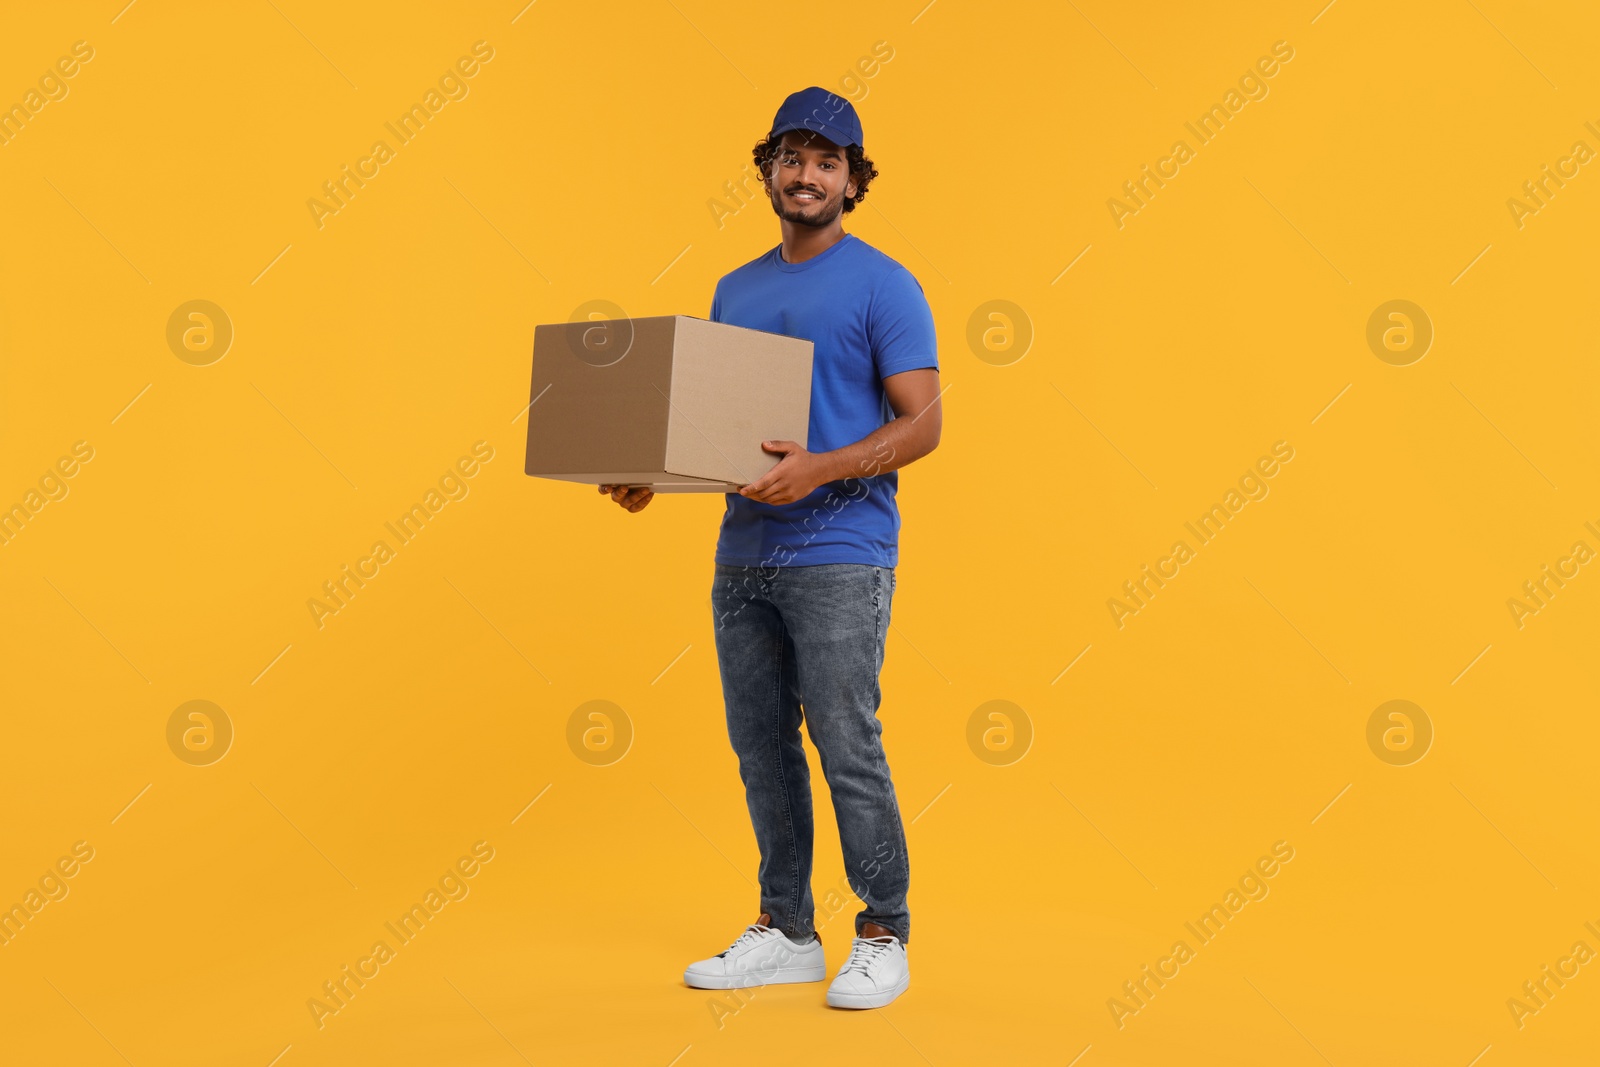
(811, 176)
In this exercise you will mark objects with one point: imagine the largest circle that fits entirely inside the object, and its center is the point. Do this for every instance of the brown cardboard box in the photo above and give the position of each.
(673, 402)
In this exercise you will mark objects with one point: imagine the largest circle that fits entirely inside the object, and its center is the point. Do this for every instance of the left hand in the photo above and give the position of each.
(796, 475)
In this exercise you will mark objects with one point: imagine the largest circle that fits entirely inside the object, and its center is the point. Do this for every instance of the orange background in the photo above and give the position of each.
(1055, 852)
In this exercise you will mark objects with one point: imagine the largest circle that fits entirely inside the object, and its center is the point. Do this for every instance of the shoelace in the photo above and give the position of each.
(865, 951)
(751, 932)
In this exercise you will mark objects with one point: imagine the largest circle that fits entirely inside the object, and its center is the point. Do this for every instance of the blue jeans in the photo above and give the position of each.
(806, 643)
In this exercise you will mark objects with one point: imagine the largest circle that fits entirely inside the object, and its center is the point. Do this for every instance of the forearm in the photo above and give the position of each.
(890, 447)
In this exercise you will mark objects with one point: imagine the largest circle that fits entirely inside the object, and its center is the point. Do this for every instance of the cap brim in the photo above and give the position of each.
(832, 133)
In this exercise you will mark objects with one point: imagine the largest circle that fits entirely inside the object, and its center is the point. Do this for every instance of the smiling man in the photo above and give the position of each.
(806, 558)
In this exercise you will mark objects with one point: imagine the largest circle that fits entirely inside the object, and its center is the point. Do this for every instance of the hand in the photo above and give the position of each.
(795, 476)
(631, 499)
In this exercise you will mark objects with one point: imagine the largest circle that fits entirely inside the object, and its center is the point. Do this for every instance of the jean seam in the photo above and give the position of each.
(783, 781)
(905, 859)
(882, 623)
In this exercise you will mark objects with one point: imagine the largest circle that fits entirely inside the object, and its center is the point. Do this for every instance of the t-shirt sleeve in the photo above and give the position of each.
(900, 326)
(716, 303)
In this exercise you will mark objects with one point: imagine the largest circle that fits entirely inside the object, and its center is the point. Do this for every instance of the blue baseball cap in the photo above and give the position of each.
(819, 111)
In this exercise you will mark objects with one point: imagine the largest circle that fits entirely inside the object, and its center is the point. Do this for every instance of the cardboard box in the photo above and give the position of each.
(677, 403)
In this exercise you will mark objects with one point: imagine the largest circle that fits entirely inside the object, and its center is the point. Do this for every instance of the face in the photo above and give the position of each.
(809, 179)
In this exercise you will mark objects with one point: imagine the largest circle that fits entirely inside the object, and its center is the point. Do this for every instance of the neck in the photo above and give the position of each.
(801, 242)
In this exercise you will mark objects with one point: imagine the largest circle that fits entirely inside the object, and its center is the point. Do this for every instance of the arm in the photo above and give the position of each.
(913, 433)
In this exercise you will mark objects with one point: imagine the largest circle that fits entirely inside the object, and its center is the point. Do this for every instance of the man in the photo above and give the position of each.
(806, 556)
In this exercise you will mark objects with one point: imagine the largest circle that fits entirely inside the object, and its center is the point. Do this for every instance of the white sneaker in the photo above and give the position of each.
(874, 975)
(762, 955)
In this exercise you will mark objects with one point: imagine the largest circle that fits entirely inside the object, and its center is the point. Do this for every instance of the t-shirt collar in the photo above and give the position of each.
(790, 268)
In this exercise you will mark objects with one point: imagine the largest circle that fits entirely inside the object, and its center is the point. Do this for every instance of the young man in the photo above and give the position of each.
(806, 556)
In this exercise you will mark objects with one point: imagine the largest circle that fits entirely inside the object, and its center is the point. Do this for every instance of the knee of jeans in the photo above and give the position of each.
(852, 760)
(847, 713)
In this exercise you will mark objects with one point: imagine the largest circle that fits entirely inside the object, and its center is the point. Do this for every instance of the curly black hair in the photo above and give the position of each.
(861, 168)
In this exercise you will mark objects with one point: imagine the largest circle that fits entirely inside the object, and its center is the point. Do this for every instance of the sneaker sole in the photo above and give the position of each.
(867, 1000)
(746, 981)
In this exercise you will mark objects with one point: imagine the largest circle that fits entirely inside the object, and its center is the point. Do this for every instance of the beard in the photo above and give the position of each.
(818, 215)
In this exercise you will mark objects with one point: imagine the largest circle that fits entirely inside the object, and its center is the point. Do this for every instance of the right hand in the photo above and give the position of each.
(631, 499)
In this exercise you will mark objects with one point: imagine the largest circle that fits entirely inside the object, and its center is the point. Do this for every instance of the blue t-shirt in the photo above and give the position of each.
(867, 318)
